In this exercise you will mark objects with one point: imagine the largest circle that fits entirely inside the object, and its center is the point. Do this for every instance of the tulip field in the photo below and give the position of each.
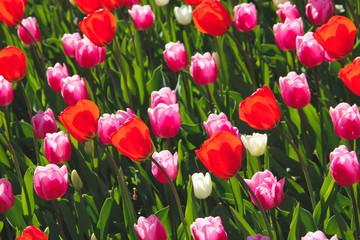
(179, 119)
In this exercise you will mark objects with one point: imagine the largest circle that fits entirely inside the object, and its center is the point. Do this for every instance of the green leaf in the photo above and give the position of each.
(28, 196)
(16, 214)
(103, 223)
(294, 234)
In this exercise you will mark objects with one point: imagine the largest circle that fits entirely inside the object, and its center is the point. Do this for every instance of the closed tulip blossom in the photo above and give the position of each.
(130, 3)
(350, 74)
(175, 56)
(87, 54)
(50, 182)
(203, 69)
(318, 235)
(267, 189)
(142, 16)
(165, 120)
(286, 33)
(55, 74)
(208, 228)
(32, 233)
(12, 64)
(161, 3)
(68, 43)
(6, 195)
(164, 95)
(287, 10)
(6, 92)
(256, 143)
(219, 122)
(258, 237)
(31, 25)
(76, 180)
(168, 162)
(346, 121)
(43, 123)
(245, 17)
(12, 12)
(202, 185)
(73, 89)
(183, 14)
(309, 51)
(150, 228)
(57, 147)
(319, 11)
(295, 90)
(277, 2)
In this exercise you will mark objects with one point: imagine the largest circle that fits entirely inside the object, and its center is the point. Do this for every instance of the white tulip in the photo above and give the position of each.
(202, 185)
(183, 14)
(255, 143)
(161, 3)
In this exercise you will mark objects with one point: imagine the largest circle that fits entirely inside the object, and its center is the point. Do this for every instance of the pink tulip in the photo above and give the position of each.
(309, 51)
(165, 120)
(121, 116)
(6, 92)
(43, 123)
(344, 166)
(6, 195)
(346, 121)
(142, 16)
(319, 11)
(175, 56)
(88, 54)
(50, 182)
(130, 3)
(31, 25)
(216, 123)
(318, 235)
(164, 95)
(258, 237)
(209, 228)
(286, 10)
(55, 74)
(295, 90)
(169, 163)
(245, 17)
(286, 33)
(73, 89)
(203, 68)
(150, 228)
(68, 42)
(267, 189)
(57, 147)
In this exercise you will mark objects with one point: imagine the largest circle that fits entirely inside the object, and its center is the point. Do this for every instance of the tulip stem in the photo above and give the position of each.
(131, 35)
(7, 122)
(274, 222)
(293, 60)
(221, 66)
(176, 195)
(186, 90)
(206, 208)
(302, 162)
(7, 227)
(258, 204)
(61, 228)
(169, 145)
(92, 85)
(304, 131)
(251, 52)
(209, 97)
(171, 213)
(352, 13)
(356, 216)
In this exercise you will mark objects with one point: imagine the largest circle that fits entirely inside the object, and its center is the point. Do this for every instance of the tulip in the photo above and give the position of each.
(6, 195)
(286, 10)
(57, 147)
(12, 63)
(93, 237)
(277, 2)
(165, 120)
(344, 166)
(309, 51)
(319, 11)
(202, 185)
(183, 14)
(318, 235)
(133, 140)
(87, 54)
(349, 75)
(142, 16)
(88, 6)
(203, 69)
(286, 33)
(112, 5)
(68, 42)
(81, 120)
(245, 17)
(337, 36)
(258, 237)
(193, 2)
(346, 121)
(295, 90)
(150, 228)
(130, 3)
(216, 56)
(211, 17)
(175, 56)
(216, 123)
(32, 233)
(73, 89)
(99, 27)
(267, 189)
(256, 143)
(76, 180)
(55, 74)
(168, 162)
(164, 95)
(43, 123)
(208, 228)
(225, 146)
(12, 11)
(50, 182)
(6, 92)
(260, 110)
(161, 3)
(31, 25)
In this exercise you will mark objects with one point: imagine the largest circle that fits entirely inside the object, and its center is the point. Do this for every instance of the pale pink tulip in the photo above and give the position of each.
(346, 121)
(55, 74)
(43, 123)
(245, 17)
(57, 147)
(168, 162)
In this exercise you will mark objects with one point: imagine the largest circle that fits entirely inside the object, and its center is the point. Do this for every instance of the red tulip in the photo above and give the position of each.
(112, 5)
(193, 2)
(221, 154)
(12, 11)
(260, 110)
(88, 6)
(211, 17)
(350, 75)
(133, 139)
(12, 64)
(32, 233)
(81, 120)
(99, 27)
(337, 36)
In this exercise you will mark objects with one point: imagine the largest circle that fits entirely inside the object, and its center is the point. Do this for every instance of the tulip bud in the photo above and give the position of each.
(77, 183)
(202, 185)
(43, 123)
(183, 14)
(73, 89)
(161, 3)
(255, 143)
(6, 195)
(72, 2)
(346, 121)
(203, 69)
(295, 90)
(175, 56)
(142, 16)
(57, 147)
(309, 51)
(93, 237)
(245, 17)
(216, 56)
(31, 25)
(165, 120)
(168, 162)
(88, 148)
(277, 2)
(164, 95)
(150, 228)
(68, 42)
(286, 10)
(208, 228)
(286, 33)
(55, 74)
(6, 92)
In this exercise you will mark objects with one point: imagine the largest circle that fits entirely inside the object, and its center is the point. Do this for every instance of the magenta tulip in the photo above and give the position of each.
(43, 123)
(87, 54)
(319, 11)
(245, 17)
(150, 228)
(57, 147)
(346, 121)
(68, 42)
(175, 56)
(168, 162)
(286, 33)
(309, 51)
(130, 3)
(6, 92)
(73, 89)
(164, 95)
(216, 123)
(258, 237)
(286, 10)
(6, 195)
(208, 228)
(295, 90)
(318, 235)
(165, 120)
(203, 69)
(55, 74)
(142, 16)
(31, 25)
